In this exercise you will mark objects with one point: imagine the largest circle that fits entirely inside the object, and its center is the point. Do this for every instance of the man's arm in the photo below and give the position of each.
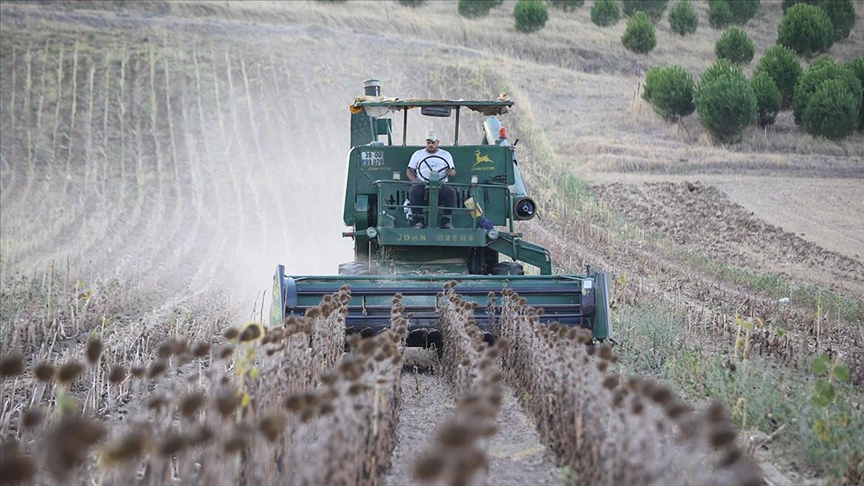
(412, 169)
(452, 171)
(411, 175)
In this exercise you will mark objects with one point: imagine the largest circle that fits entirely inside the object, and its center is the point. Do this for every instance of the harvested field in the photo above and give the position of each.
(158, 160)
(703, 219)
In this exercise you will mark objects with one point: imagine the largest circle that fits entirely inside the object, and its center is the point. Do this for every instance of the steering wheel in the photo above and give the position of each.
(425, 162)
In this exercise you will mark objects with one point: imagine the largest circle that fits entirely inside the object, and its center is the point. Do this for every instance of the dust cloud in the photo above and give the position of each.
(201, 156)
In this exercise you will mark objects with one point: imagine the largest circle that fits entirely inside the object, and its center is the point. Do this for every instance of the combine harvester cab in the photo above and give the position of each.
(392, 256)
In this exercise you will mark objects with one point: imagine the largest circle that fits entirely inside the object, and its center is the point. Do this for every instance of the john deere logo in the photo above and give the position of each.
(482, 159)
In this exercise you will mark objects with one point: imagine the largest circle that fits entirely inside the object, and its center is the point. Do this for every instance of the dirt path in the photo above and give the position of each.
(426, 403)
(515, 453)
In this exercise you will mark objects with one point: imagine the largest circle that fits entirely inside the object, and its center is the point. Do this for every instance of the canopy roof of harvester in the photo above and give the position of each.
(486, 107)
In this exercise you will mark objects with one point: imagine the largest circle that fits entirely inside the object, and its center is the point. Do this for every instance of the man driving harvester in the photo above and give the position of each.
(422, 164)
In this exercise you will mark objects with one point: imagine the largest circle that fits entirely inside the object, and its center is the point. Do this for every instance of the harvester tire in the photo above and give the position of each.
(508, 268)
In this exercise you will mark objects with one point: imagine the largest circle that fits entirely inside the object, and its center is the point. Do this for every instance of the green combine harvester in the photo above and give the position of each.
(392, 256)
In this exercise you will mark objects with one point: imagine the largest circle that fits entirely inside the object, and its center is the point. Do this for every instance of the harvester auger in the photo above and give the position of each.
(392, 256)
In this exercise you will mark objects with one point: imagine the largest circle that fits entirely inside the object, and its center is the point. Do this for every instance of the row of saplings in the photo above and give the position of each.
(806, 29)
(826, 99)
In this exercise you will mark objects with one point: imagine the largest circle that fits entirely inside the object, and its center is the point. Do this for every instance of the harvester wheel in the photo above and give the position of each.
(508, 268)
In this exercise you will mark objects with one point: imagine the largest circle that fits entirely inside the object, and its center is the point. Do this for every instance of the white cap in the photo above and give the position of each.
(431, 135)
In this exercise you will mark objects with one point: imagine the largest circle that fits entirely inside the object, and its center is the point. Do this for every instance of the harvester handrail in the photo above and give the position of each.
(457, 184)
(382, 203)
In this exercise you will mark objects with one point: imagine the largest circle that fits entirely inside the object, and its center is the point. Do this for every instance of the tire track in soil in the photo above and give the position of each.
(10, 183)
(70, 216)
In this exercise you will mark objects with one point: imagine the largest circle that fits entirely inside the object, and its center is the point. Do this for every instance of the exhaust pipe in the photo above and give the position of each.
(372, 87)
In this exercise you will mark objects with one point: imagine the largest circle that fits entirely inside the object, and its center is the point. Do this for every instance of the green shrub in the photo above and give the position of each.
(719, 14)
(726, 106)
(807, 84)
(476, 8)
(566, 5)
(832, 111)
(531, 15)
(669, 91)
(782, 65)
(856, 67)
(683, 19)
(743, 10)
(788, 3)
(806, 30)
(842, 15)
(605, 13)
(721, 67)
(411, 3)
(768, 99)
(812, 79)
(824, 60)
(653, 8)
(735, 46)
(639, 35)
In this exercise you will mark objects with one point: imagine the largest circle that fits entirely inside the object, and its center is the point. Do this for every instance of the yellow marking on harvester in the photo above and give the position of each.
(480, 159)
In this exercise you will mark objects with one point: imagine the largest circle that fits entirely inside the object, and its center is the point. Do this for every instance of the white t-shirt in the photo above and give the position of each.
(438, 161)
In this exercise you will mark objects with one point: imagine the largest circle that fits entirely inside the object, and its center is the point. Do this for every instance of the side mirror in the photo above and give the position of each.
(436, 111)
